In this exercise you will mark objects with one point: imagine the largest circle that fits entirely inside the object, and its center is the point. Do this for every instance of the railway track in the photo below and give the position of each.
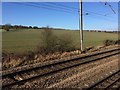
(23, 76)
(110, 82)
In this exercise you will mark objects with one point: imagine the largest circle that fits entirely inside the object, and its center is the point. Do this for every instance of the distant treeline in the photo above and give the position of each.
(9, 27)
(103, 31)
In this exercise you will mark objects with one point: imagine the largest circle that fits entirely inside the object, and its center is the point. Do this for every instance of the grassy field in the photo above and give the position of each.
(27, 40)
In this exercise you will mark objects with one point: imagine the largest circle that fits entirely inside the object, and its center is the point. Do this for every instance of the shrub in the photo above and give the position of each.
(50, 43)
(109, 42)
(65, 43)
(7, 27)
(118, 42)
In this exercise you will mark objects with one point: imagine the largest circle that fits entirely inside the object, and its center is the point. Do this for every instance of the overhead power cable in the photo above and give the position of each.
(48, 8)
(74, 8)
(61, 5)
(110, 6)
(55, 9)
(106, 3)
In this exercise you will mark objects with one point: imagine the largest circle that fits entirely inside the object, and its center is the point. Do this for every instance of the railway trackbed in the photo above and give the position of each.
(22, 76)
(110, 82)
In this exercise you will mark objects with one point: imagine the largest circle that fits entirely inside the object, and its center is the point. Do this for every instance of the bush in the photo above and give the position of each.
(7, 27)
(118, 42)
(50, 43)
(109, 42)
(65, 43)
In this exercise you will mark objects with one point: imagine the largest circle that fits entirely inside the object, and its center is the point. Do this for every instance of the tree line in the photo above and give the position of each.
(9, 27)
(106, 31)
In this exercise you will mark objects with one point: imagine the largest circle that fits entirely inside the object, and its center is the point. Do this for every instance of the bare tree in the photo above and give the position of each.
(7, 27)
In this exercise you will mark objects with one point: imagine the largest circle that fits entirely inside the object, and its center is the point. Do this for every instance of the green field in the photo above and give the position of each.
(27, 40)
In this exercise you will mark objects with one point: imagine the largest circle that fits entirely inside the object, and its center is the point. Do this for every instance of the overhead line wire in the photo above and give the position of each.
(60, 6)
(57, 8)
(86, 11)
(45, 7)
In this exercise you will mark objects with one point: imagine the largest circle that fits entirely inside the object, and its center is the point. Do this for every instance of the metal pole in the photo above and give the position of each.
(81, 25)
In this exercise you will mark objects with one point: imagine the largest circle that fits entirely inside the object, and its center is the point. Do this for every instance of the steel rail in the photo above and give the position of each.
(101, 81)
(78, 58)
(54, 71)
(112, 84)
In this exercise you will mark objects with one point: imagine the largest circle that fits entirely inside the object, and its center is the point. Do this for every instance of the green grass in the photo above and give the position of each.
(27, 40)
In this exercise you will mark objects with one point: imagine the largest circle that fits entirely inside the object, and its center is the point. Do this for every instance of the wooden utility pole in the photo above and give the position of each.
(81, 25)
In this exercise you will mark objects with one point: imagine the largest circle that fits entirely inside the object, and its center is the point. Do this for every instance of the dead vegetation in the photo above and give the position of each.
(15, 60)
(111, 42)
